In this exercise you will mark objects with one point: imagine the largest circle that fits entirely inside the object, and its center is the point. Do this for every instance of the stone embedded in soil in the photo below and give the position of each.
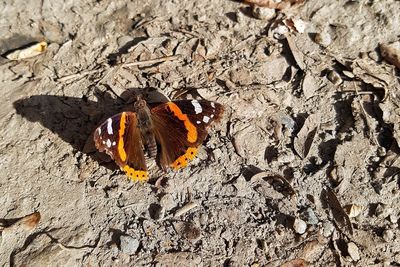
(167, 202)
(334, 77)
(311, 217)
(352, 249)
(299, 226)
(323, 38)
(388, 235)
(328, 228)
(353, 210)
(263, 13)
(129, 245)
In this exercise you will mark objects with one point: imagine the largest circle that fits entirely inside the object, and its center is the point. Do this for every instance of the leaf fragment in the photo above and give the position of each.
(28, 52)
(339, 214)
(304, 139)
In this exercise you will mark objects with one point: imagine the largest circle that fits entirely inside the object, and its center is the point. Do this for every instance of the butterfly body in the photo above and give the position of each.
(172, 130)
(146, 127)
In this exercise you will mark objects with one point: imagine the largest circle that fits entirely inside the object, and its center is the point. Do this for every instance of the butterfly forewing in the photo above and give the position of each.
(106, 137)
(120, 138)
(201, 113)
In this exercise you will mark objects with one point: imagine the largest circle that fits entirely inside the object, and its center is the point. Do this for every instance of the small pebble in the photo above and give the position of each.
(280, 32)
(311, 217)
(129, 245)
(328, 229)
(383, 211)
(300, 25)
(375, 159)
(374, 55)
(381, 151)
(167, 202)
(263, 13)
(334, 77)
(393, 218)
(349, 74)
(299, 226)
(323, 38)
(239, 17)
(352, 249)
(388, 235)
(203, 219)
(296, 175)
(285, 158)
(123, 40)
(353, 210)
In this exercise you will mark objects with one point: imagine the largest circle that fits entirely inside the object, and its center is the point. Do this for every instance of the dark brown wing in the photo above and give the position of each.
(120, 138)
(180, 127)
(201, 113)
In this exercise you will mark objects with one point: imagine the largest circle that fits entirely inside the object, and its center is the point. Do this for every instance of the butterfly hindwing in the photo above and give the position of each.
(120, 138)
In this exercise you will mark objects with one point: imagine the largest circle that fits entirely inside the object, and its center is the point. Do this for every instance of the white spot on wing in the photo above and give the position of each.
(113, 143)
(206, 119)
(104, 142)
(99, 130)
(197, 107)
(108, 143)
(109, 126)
(198, 122)
(212, 104)
(212, 116)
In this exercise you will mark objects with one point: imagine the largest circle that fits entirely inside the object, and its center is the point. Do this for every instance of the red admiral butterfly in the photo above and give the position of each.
(175, 128)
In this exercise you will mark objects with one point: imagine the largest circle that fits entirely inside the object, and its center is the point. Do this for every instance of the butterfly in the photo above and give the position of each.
(171, 132)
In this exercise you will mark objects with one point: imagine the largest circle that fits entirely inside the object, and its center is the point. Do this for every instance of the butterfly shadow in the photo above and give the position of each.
(74, 119)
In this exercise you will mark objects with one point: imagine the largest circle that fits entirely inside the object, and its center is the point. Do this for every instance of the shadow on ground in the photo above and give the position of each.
(75, 119)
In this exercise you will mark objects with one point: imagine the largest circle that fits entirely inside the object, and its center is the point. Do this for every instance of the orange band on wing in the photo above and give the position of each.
(121, 132)
(137, 176)
(192, 131)
(182, 161)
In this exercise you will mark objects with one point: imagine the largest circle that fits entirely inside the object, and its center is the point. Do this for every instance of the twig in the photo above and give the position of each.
(185, 209)
(76, 75)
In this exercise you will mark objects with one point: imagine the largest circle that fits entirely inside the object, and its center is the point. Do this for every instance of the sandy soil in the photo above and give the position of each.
(303, 170)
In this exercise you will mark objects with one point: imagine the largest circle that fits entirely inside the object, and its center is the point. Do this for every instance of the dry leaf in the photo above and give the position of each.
(391, 53)
(309, 85)
(283, 185)
(339, 215)
(29, 222)
(304, 139)
(378, 75)
(28, 52)
(297, 54)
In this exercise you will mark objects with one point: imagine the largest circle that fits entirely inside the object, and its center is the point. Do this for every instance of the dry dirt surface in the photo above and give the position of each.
(303, 170)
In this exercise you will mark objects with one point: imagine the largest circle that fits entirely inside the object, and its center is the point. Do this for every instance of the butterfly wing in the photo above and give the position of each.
(201, 113)
(120, 138)
(180, 127)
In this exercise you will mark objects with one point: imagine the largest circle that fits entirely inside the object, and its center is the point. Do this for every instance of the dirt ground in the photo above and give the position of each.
(303, 170)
